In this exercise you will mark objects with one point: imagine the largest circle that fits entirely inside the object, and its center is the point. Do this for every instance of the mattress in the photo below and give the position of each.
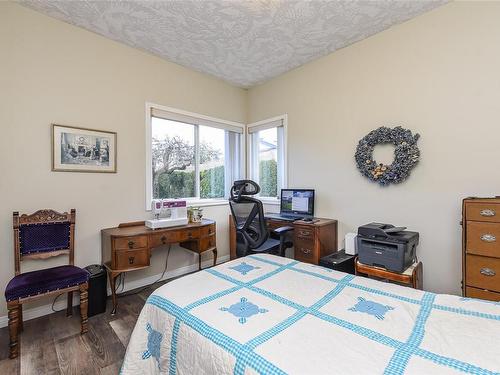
(264, 314)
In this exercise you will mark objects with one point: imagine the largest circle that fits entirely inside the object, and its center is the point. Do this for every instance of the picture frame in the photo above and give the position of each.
(76, 149)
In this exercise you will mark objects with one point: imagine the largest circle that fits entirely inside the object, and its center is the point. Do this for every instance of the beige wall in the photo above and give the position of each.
(438, 75)
(51, 72)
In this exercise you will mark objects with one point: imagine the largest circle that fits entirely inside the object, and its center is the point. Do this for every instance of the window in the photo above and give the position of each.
(267, 159)
(191, 156)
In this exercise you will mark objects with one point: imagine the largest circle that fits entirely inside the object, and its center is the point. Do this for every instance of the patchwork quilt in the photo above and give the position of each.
(264, 314)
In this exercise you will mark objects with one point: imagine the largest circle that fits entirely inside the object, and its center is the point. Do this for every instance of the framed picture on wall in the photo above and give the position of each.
(83, 150)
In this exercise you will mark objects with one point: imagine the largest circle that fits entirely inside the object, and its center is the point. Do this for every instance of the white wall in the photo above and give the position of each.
(51, 72)
(438, 75)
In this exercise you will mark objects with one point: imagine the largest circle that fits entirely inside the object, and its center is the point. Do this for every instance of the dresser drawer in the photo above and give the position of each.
(483, 212)
(481, 294)
(483, 239)
(207, 243)
(134, 242)
(304, 250)
(131, 258)
(483, 272)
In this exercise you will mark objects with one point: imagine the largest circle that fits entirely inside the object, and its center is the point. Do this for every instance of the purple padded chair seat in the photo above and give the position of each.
(43, 281)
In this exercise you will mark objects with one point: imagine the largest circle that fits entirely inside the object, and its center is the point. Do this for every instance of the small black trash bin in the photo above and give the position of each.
(97, 289)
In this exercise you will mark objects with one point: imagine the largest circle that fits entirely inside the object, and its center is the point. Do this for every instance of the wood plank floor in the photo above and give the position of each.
(53, 345)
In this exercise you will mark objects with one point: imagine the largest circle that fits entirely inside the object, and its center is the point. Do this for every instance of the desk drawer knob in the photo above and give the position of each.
(305, 251)
(131, 260)
(488, 238)
(130, 244)
(190, 235)
(487, 272)
(487, 213)
(163, 240)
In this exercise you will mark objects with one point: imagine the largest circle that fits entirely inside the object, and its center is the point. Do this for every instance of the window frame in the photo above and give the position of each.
(284, 155)
(202, 118)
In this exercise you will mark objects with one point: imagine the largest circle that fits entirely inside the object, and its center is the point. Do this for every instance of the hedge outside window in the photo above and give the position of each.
(193, 158)
(267, 156)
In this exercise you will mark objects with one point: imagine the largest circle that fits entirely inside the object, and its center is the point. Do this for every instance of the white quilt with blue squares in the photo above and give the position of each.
(264, 314)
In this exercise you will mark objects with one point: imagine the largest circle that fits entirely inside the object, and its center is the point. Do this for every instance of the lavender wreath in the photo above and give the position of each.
(406, 155)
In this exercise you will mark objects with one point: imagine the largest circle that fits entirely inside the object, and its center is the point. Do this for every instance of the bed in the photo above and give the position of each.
(264, 314)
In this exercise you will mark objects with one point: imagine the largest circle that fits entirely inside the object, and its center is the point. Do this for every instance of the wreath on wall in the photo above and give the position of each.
(406, 155)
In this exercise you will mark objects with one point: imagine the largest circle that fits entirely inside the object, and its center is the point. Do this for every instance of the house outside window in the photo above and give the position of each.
(267, 155)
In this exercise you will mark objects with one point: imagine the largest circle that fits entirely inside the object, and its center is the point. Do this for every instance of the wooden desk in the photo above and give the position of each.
(128, 247)
(412, 277)
(311, 241)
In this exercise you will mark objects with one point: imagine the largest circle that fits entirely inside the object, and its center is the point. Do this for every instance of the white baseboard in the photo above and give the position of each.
(39, 311)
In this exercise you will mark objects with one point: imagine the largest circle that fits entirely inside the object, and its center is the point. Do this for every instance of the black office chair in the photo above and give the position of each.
(252, 235)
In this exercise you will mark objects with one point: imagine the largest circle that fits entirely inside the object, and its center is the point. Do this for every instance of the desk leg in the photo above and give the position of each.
(215, 255)
(112, 282)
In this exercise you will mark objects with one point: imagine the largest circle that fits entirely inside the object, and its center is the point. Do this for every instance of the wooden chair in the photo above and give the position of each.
(42, 235)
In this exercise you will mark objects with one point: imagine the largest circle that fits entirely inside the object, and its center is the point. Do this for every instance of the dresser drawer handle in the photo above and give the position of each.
(163, 239)
(488, 238)
(131, 260)
(487, 212)
(487, 272)
(305, 233)
(305, 251)
(190, 235)
(130, 244)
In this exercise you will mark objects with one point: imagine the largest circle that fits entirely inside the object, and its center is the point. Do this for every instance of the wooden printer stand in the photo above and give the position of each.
(128, 247)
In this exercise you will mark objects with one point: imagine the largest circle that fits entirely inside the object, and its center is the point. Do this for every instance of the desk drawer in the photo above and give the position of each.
(483, 212)
(207, 243)
(189, 234)
(483, 239)
(304, 233)
(207, 230)
(482, 294)
(134, 242)
(304, 250)
(164, 238)
(131, 258)
(483, 272)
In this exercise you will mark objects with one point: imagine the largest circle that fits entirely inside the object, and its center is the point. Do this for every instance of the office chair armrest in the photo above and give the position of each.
(282, 230)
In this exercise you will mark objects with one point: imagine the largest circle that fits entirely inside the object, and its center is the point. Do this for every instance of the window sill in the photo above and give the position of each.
(202, 203)
(207, 202)
(270, 201)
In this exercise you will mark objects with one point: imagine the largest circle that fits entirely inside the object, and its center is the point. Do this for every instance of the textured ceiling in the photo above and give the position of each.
(243, 42)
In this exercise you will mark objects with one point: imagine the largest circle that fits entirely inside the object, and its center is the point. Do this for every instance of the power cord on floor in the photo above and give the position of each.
(146, 287)
(54, 302)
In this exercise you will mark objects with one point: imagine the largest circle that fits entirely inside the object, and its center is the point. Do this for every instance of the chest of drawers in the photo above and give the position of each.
(481, 248)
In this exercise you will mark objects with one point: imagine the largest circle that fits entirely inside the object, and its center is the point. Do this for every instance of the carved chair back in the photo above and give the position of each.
(43, 234)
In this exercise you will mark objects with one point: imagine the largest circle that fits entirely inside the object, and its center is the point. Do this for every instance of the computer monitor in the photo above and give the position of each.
(297, 202)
